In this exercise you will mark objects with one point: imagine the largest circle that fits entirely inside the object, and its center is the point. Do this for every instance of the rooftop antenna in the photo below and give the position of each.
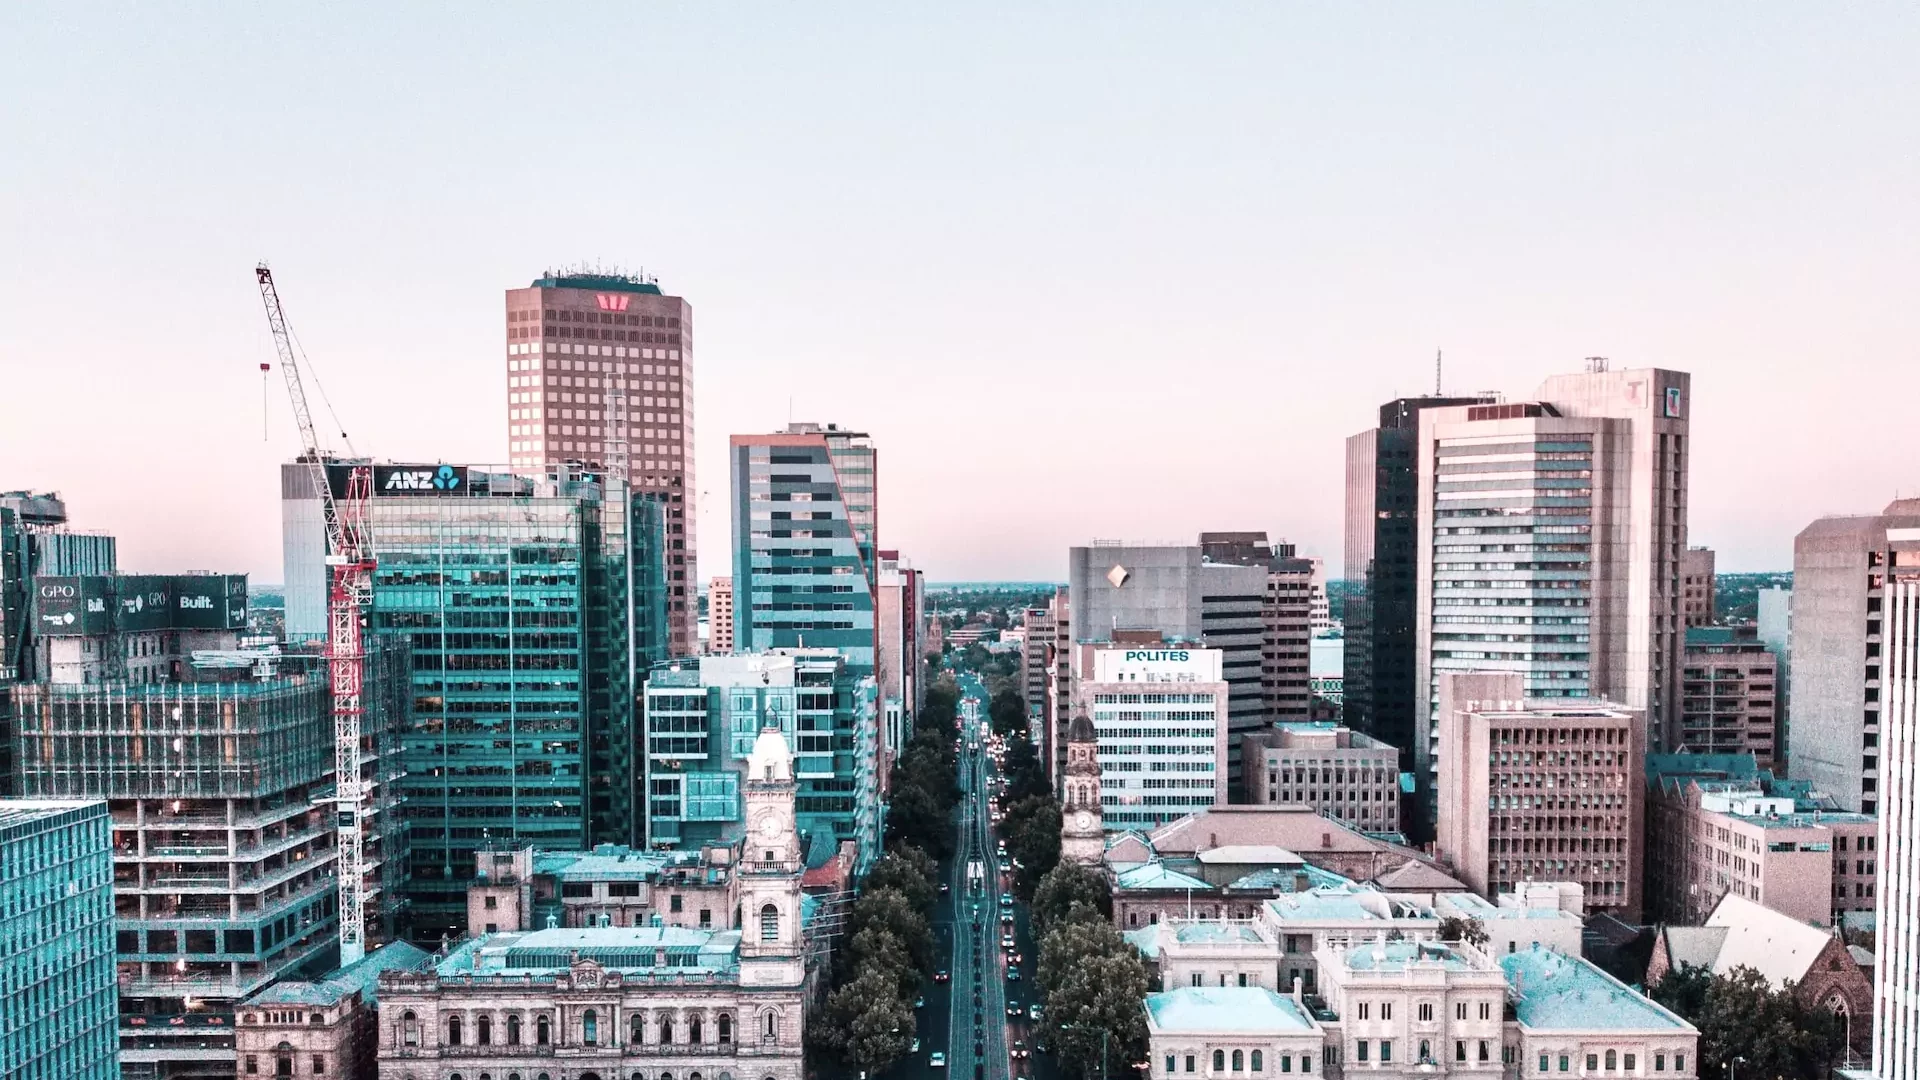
(1436, 373)
(1596, 365)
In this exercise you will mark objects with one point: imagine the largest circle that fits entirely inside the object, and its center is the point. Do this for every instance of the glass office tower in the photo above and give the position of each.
(59, 1015)
(532, 605)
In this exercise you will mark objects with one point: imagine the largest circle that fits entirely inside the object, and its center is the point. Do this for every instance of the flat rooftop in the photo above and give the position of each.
(1251, 1009)
(636, 949)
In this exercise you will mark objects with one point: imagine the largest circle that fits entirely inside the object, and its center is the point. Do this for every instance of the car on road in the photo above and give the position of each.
(915, 1048)
(1006, 941)
(1006, 899)
(1034, 1012)
(920, 1003)
(1014, 958)
(1005, 866)
(943, 886)
(1019, 1049)
(942, 975)
(937, 1060)
(1013, 1009)
(1006, 916)
(1013, 974)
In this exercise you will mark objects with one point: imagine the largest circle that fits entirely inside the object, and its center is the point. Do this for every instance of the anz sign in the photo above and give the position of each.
(419, 479)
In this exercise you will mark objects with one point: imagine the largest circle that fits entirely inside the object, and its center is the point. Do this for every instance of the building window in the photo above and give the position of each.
(1170, 1063)
(253, 1063)
(513, 1029)
(1486, 1010)
(636, 1030)
(483, 1031)
(590, 1028)
(319, 1065)
(1593, 1062)
(1386, 1051)
(1386, 1010)
(1425, 1057)
(1679, 1063)
(1484, 1051)
(769, 923)
(453, 1031)
(674, 904)
(666, 1031)
(1360, 1051)
(1628, 1061)
(1306, 1062)
(1219, 1061)
(409, 1029)
(1189, 1062)
(1659, 1063)
(1613, 1061)
(1459, 1010)
(1196, 978)
(772, 1029)
(1425, 1011)
(1543, 1063)
(1256, 1064)
(1564, 1062)
(1459, 1050)
(694, 1034)
(726, 1028)
(542, 1030)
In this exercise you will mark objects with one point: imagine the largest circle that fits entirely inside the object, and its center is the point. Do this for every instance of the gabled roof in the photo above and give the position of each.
(1778, 946)
(1695, 945)
(1416, 876)
(1157, 875)
(1554, 992)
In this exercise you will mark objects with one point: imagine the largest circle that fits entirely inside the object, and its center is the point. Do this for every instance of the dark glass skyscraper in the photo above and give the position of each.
(1382, 560)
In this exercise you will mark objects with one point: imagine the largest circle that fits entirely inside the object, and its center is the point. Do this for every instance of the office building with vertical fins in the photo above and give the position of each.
(1890, 616)
(1550, 536)
(804, 534)
(59, 1016)
(533, 606)
(600, 372)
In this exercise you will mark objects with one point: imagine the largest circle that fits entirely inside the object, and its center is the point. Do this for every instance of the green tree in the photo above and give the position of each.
(878, 949)
(866, 1023)
(885, 909)
(1740, 1014)
(908, 871)
(1034, 839)
(1007, 711)
(1061, 888)
(1463, 928)
(1102, 993)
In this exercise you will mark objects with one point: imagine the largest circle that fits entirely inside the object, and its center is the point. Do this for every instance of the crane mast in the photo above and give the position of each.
(349, 587)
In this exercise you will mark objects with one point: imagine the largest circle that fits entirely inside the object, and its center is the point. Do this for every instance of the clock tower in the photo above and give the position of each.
(771, 948)
(1082, 836)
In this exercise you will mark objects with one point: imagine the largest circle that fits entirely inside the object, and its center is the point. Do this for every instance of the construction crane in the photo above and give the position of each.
(350, 585)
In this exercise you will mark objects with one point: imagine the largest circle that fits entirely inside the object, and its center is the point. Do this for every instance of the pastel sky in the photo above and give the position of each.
(1083, 270)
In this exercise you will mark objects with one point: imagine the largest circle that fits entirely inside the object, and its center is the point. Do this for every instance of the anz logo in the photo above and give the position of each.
(444, 478)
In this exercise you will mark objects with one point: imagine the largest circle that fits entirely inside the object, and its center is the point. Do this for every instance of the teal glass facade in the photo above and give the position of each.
(803, 539)
(701, 723)
(59, 1011)
(531, 605)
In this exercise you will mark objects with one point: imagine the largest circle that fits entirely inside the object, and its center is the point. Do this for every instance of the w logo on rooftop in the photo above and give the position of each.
(612, 301)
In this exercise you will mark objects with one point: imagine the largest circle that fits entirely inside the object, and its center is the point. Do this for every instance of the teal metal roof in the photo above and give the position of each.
(1156, 875)
(1400, 955)
(626, 948)
(1553, 991)
(362, 977)
(1285, 878)
(1228, 1009)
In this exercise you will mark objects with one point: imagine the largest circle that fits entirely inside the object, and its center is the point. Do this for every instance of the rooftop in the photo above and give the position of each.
(1237, 1009)
(1248, 854)
(15, 813)
(1555, 992)
(1343, 905)
(629, 283)
(641, 949)
(362, 977)
(1404, 955)
(1156, 875)
(1479, 907)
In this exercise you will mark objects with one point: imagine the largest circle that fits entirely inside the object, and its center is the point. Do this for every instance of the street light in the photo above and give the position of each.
(1736, 1061)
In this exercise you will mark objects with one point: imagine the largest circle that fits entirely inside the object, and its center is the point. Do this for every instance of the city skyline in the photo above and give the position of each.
(1659, 192)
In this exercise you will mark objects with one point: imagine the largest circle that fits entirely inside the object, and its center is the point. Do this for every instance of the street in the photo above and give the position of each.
(967, 1018)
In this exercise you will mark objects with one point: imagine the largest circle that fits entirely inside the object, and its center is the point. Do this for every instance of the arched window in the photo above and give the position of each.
(453, 1031)
(726, 1029)
(693, 1076)
(666, 1030)
(1239, 1061)
(483, 1035)
(590, 1028)
(769, 923)
(486, 1076)
(1612, 1060)
(543, 1034)
(513, 1034)
(409, 1029)
(694, 1031)
(636, 1032)
(1219, 1061)
(1426, 1052)
(771, 1030)
(283, 1059)
(1257, 1063)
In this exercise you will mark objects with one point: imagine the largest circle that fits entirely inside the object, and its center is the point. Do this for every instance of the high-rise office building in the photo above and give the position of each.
(1286, 617)
(704, 718)
(1890, 615)
(1843, 569)
(1183, 595)
(900, 643)
(1383, 495)
(1729, 693)
(225, 845)
(35, 540)
(1549, 545)
(600, 372)
(1159, 713)
(720, 616)
(1696, 587)
(534, 606)
(59, 1016)
(804, 530)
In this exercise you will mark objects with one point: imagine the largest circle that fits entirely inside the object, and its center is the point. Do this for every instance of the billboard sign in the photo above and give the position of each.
(419, 479)
(143, 602)
(210, 602)
(1161, 663)
(72, 606)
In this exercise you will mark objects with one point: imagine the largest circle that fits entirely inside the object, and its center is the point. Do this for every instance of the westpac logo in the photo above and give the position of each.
(612, 302)
(443, 478)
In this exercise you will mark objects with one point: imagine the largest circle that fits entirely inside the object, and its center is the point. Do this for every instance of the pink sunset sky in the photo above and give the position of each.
(1085, 271)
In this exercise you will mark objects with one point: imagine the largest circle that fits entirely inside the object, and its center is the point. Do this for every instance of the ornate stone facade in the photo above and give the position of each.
(1083, 835)
(625, 1003)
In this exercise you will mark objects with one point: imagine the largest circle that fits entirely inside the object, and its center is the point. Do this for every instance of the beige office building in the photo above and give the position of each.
(720, 616)
(1550, 542)
(1345, 775)
(600, 371)
(1541, 790)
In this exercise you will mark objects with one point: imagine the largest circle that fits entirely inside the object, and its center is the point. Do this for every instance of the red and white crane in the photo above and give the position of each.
(349, 587)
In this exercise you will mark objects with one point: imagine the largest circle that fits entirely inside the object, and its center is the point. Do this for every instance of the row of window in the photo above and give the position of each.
(1243, 1061)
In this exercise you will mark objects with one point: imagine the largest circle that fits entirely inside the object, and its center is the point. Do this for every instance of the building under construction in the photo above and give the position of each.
(224, 843)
